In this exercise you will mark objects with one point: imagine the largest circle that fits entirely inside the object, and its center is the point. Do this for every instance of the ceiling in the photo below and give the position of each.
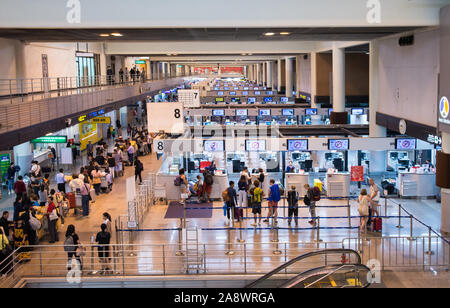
(205, 34)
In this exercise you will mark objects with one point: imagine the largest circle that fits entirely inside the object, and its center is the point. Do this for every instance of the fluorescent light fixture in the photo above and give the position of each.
(269, 33)
(104, 35)
(285, 33)
(116, 34)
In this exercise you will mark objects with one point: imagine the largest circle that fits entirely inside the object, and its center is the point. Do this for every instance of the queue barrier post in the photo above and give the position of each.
(318, 240)
(429, 252)
(180, 252)
(349, 214)
(241, 239)
(399, 226)
(385, 202)
(411, 237)
(275, 240)
(229, 251)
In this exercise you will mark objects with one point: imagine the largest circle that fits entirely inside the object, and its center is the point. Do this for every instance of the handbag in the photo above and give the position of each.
(7, 250)
(53, 215)
(80, 251)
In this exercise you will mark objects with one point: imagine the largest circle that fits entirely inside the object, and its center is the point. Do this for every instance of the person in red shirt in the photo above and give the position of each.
(19, 187)
(52, 219)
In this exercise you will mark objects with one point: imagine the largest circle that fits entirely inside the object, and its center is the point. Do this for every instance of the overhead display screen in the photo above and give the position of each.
(311, 111)
(255, 145)
(338, 144)
(268, 99)
(244, 93)
(220, 93)
(252, 99)
(288, 112)
(284, 99)
(357, 111)
(241, 112)
(405, 144)
(298, 145)
(218, 112)
(257, 92)
(264, 112)
(219, 99)
(214, 145)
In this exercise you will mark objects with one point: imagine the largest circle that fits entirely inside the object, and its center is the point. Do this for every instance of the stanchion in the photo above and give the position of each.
(360, 250)
(318, 240)
(229, 251)
(411, 238)
(180, 252)
(275, 240)
(399, 217)
(92, 272)
(385, 202)
(131, 254)
(349, 213)
(429, 252)
(184, 215)
(241, 239)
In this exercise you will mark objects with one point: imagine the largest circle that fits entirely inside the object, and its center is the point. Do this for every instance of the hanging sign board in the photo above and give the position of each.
(50, 139)
(101, 120)
(189, 98)
(168, 117)
(357, 174)
(66, 156)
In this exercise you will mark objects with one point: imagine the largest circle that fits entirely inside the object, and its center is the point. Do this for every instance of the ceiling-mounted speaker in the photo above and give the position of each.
(406, 40)
(305, 57)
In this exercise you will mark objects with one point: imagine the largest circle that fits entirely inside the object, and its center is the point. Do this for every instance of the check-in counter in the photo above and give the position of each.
(265, 185)
(337, 184)
(42, 156)
(297, 179)
(220, 184)
(410, 184)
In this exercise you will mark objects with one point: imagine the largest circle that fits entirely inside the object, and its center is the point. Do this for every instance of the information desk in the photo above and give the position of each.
(337, 184)
(297, 179)
(410, 184)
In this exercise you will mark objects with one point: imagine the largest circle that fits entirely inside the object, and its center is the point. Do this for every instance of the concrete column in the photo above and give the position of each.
(21, 70)
(258, 73)
(338, 79)
(374, 129)
(264, 74)
(279, 75)
(445, 193)
(269, 74)
(289, 75)
(313, 59)
(274, 75)
(297, 72)
(244, 69)
(187, 70)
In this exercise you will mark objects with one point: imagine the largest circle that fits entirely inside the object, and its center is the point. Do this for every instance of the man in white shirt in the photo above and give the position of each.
(61, 181)
(76, 184)
(374, 195)
(130, 151)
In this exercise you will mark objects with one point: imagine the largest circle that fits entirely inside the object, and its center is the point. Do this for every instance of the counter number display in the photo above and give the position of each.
(255, 145)
(405, 144)
(297, 145)
(264, 112)
(288, 112)
(214, 146)
(338, 144)
(218, 112)
(241, 112)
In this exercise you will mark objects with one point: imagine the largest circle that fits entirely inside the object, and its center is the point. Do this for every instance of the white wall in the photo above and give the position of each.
(408, 78)
(7, 58)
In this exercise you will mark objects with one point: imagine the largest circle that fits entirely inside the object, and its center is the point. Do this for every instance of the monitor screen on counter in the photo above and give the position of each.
(241, 112)
(218, 112)
(285, 99)
(298, 145)
(288, 112)
(257, 92)
(405, 144)
(357, 111)
(338, 144)
(311, 111)
(244, 93)
(214, 145)
(219, 99)
(264, 112)
(220, 93)
(268, 99)
(255, 145)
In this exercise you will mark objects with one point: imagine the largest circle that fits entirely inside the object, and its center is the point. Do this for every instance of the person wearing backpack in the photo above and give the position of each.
(310, 201)
(71, 244)
(103, 239)
(208, 182)
(292, 199)
(257, 195)
(274, 198)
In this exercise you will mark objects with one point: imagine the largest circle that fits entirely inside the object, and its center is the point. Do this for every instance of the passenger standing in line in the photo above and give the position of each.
(274, 198)
(246, 173)
(374, 196)
(52, 215)
(243, 189)
(138, 168)
(107, 220)
(121, 75)
(261, 176)
(232, 201)
(103, 239)
(71, 243)
(293, 198)
(85, 197)
(257, 195)
(130, 151)
(184, 184)
(61, 181)
(18, 207)
(309, 201)
(96, 179)
(19, 186)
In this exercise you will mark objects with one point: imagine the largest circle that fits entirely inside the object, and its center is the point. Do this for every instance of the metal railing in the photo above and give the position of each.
(31, 89)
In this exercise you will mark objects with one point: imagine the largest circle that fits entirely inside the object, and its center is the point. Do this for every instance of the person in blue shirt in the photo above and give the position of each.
(61, 181)
(290, 168)
(274, 198)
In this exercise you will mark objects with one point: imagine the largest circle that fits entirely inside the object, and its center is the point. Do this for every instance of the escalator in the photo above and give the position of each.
(342, 268)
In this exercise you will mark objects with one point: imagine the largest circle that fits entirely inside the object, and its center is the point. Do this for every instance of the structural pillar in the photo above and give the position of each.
(258, 73)
(289, 76)
(264, 74)
(338, 116)
(274, 75)
(445, 192)
(269, 74)
(298, 79)
(313, 59)
(279, 75)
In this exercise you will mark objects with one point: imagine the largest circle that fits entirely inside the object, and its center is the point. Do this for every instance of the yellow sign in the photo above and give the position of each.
(101, 120)
(82, 118)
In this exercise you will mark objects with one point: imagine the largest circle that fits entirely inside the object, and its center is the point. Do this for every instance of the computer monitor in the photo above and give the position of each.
(405, 144)
(357, 111)
(214, 145)
(311, 111)
(251, 100)
(285, 99)
(244, 93)
(330, 111)
(232, 93)
(287, 112)
(218, 112)
(268, 99)
(236, 99)
(246, 88)
(256, 88)
(216, 89)
(255, 145)
(269, 92)
(219, 93)
(219, 99)
(297, 145)
(241, 112)
(338, 164)
(257, 92)
(338, 144)
(264, 112)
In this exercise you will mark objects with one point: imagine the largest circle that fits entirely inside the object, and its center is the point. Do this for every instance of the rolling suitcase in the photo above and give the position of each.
(377, 224)
(104, 184)
(93, 195)
(72, 203)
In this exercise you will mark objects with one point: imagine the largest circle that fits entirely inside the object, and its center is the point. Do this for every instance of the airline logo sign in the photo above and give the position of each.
(101, 120)
(444, 114)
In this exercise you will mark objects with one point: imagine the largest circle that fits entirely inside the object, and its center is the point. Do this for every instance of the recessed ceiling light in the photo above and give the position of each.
(104, 35)
(244, 54)
(269, 34)
(116, 34)
(285, 33)
(250, 54)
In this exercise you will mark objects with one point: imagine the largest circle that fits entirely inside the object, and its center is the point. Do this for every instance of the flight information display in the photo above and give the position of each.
(298, 145)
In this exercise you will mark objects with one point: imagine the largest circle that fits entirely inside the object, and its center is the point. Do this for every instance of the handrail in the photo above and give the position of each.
(297, 279)
(302, 257)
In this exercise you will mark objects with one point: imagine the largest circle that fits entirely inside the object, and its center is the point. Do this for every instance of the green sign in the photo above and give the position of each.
(50, 139)
(140, 62)
(5, 162)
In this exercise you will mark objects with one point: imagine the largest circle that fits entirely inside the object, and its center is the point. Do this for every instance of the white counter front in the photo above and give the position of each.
(337, 184)
(416, 184)
(299, 180)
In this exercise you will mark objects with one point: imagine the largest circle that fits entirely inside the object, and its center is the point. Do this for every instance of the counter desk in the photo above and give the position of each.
(410, 184)
(337, 184)
(297, 179)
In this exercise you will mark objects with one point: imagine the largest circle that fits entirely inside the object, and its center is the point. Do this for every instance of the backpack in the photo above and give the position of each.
(281, 189)
(225, 195)
(257, 195)
(69, 245)
(177, 181)
(209, 179)
(306, 200)
(35, 224)
(293, 198)
(316, 193)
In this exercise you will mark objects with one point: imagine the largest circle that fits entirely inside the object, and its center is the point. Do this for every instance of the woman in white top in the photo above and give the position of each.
(374, 196)
(107, 221)
(246, 173)
(363, 209)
